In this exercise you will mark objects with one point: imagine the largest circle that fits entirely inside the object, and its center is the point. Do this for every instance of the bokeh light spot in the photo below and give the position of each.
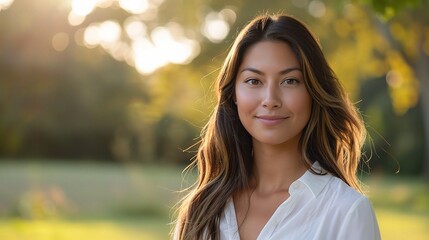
(134, 6)
(5, 4)
(107, 33)
(104, 3)
(91, 36)
(83, 7)
(75, 20)
(146, 56)
(135, 28)
(60, 41)
(394, 79)
(317, 8)
(110, 31)
(176, 49)
(228, 14)
(215, 27)
(300, 3)
(79, 36)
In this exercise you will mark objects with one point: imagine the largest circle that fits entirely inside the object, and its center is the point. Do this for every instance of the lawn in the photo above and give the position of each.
(64, 200)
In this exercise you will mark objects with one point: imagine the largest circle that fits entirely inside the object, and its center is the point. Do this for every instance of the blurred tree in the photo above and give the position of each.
(58, 104)
(389, 152)
(103, 84)
(405, 29)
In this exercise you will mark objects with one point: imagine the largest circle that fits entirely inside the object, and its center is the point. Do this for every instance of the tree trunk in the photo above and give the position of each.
(422, 73)
(421, 70)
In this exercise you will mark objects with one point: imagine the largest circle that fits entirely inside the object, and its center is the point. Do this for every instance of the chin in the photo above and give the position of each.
(277, 141)
(272, 142)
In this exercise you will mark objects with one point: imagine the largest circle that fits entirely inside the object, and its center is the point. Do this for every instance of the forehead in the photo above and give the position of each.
(269, 56)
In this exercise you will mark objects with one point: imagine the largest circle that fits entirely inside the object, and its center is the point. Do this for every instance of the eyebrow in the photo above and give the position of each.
(282, 72)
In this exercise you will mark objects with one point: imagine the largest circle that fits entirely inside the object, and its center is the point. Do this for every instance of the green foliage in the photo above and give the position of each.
(389, 8)
(389, 153)
(82, 104)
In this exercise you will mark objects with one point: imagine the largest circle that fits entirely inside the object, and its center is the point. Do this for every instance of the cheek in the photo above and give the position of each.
(301, 103)
(245, 101)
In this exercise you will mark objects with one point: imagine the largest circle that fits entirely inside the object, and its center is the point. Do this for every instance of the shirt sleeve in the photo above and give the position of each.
(360, 222)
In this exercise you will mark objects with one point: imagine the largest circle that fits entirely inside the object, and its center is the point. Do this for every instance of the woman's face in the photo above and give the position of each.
(272, 100)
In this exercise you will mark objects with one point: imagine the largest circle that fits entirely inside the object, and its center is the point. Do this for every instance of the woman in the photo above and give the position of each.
(279, 156)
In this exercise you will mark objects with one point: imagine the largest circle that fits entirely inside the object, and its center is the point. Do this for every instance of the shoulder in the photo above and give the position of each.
(352, 209)
(338, 199)
(337, 188)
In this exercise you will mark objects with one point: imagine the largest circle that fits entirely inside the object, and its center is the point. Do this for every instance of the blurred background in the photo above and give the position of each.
(101, 102)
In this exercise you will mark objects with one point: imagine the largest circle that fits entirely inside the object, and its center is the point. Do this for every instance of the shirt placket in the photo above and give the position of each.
(282, 212)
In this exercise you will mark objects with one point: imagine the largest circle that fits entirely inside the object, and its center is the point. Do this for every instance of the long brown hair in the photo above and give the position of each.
(333, 136)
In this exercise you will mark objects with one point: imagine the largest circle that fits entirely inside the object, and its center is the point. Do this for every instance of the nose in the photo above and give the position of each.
(272, 97)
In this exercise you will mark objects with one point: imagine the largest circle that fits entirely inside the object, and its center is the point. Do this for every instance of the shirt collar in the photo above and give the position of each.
(315, 182)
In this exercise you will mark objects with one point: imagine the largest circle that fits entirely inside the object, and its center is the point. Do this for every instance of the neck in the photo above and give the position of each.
(276, 166)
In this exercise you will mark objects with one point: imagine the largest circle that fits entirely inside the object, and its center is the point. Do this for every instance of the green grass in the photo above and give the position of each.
(401, 205)
(65, 200)
(18, 229)
(402, 225)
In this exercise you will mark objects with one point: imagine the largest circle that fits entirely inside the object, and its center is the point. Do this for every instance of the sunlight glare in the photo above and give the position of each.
(167, 45)
(83, 7)
(120, 51)
(215, 27)
(91, 36)
(110, 31)
(5, 4)
(75, 20)
(135, 28)
(106, 33)
(146, 52)
(174, 50)
(104, 3)
(146, 56)
(134, 6)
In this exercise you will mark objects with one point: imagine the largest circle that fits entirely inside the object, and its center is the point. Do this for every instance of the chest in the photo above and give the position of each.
(254, 212)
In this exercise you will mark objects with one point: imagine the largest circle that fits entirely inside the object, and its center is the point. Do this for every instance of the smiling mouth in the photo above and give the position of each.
(271, 117)
(271, 120)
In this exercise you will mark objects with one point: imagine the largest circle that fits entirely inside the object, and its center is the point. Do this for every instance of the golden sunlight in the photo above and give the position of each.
(83, 7)
(216, 25)
(110, 33)
(134, 6)
(135, 28)
(173, 45)
(74, 19)
(166, 45)
(5, 4)
(106, 34)
(147, 58)
(133, 42)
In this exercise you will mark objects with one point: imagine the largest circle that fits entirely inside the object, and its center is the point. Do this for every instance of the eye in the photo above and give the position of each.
(291, 81)
(253, 81)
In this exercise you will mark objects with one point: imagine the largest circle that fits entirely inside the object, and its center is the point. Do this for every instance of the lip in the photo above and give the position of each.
(271, 120)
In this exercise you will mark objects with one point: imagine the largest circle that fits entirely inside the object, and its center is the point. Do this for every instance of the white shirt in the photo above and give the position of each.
(319, 207)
